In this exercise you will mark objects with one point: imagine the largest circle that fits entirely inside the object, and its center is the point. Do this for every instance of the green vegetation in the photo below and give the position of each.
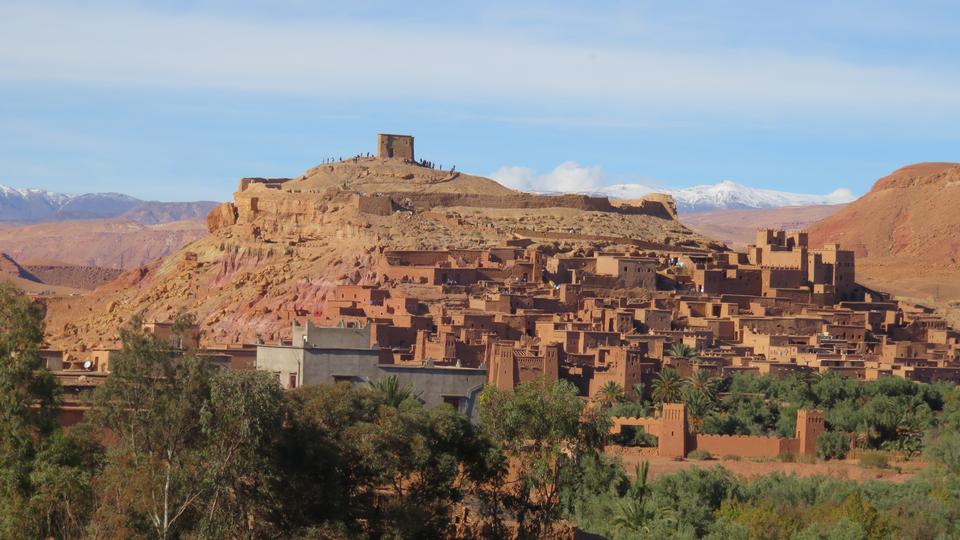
(889, 414)
(832, 445)
(873, 460)
(699, 455)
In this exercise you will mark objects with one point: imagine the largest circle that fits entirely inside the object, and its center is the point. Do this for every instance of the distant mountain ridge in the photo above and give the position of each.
(728, 195)
(38, 206)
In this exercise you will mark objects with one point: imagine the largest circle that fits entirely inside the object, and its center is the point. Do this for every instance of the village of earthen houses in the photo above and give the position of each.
(381, 266)
(553, 332)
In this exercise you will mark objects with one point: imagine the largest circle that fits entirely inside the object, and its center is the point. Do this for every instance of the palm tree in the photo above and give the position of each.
(698, 406)
(682, 350)
(701, 382)
(609, 394)
(667, 387)
(633, 515)
(393, 393)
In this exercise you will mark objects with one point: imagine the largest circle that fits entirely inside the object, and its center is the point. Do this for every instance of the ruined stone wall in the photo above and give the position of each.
(270, 183)
(426, 201)
(416, 258)
(374, 204)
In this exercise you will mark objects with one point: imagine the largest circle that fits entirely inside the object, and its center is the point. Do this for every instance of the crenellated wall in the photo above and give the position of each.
(676, 440)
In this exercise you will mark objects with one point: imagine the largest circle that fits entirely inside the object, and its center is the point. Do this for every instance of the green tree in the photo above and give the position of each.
(667, 387)
(44, 475)
(832, 445)
(193, 447)
(943, 447)
(357, 457)
(633, 514)
(546, 433)
(702, 383)
(610, 394)
(393, 392)
(682, 350)
(699, 406)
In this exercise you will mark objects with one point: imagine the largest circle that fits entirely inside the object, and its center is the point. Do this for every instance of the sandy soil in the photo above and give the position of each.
(848, 470)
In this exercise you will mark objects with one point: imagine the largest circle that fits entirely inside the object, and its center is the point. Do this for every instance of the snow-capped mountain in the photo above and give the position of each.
(37, 205)
(571, 177)
(728, 195)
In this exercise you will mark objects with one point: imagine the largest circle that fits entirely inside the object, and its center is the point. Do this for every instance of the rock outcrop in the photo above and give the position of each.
(909, 214)
(278, 250)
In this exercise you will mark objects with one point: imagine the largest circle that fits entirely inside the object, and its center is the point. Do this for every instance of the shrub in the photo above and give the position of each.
(642, 438)
(832, 445)
(699, 455)
(787, 457)
(874, 460)
(732, 457)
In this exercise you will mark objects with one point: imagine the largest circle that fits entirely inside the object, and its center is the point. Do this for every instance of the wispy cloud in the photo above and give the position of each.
(350, 59)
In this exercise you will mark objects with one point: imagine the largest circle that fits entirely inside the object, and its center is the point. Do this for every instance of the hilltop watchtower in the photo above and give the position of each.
(394, 146)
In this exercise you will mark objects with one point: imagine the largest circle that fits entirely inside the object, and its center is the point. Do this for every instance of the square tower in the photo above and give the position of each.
(394, 146)
(674, 431)
(809, 428)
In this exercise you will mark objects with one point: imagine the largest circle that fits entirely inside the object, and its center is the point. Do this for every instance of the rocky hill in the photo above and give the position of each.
(912, 214)
(53, 277)
(906, 233)
(108, 243)
(281, 246)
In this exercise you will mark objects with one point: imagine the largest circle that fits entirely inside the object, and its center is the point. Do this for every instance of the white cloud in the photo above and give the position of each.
(567, 177)
(840, 196)
(512, 176)
(350, 59)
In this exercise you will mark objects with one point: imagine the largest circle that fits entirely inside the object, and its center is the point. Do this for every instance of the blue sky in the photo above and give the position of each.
(177, 101)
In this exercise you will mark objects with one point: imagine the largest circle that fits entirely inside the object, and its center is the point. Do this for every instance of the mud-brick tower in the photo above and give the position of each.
(394, 146)
(674, 431)
(809, 428)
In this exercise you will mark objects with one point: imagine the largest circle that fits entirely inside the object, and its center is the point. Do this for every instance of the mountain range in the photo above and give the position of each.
(728, 195)
(39, 206)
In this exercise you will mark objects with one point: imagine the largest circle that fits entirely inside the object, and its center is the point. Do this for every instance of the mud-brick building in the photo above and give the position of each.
(319, 355)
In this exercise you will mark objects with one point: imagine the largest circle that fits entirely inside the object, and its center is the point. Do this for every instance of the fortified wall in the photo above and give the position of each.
(414, 201)
(309, 206)
(676, 440)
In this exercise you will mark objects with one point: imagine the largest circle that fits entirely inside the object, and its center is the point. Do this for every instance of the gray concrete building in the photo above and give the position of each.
(321, 355)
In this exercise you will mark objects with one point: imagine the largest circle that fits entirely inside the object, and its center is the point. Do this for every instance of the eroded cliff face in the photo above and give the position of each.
(909, 215)
(280, 248)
